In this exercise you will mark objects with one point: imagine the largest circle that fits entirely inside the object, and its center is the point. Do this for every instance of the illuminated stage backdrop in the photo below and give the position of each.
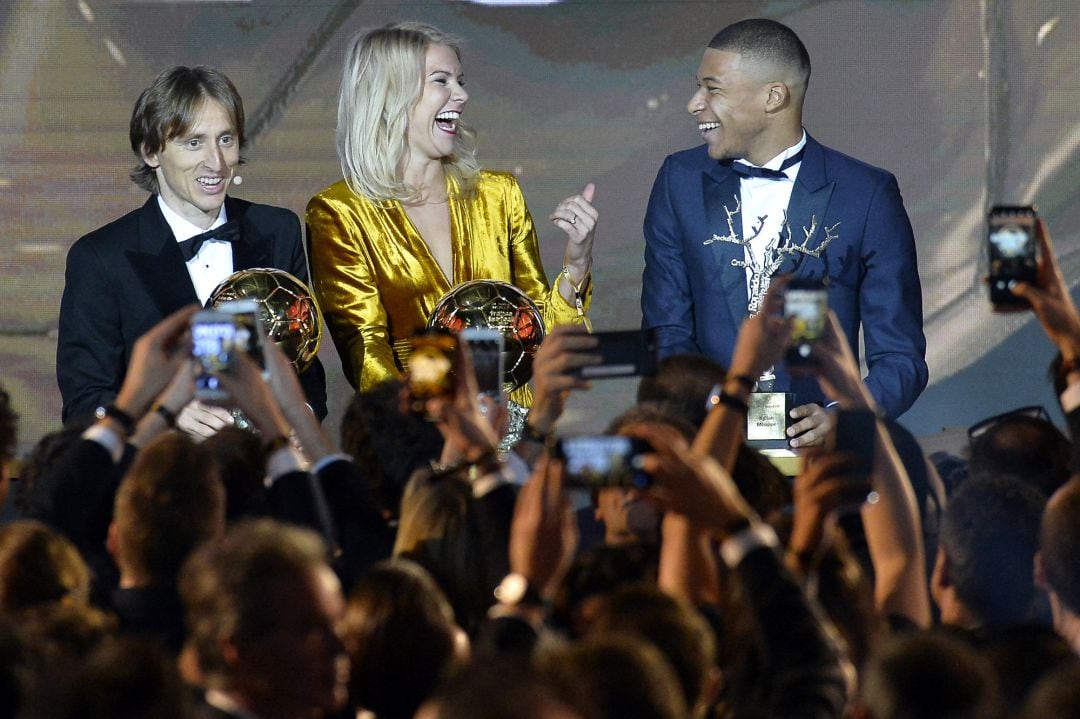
(967, 102)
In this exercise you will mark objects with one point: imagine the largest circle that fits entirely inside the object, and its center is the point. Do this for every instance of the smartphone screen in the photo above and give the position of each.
(486, 348)
(806, 302)
(248, 320)
(213, 336)
(596, 461)
(1012, 250)
(431, 364)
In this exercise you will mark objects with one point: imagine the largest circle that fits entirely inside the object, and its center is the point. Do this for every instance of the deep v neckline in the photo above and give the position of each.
(425, 249)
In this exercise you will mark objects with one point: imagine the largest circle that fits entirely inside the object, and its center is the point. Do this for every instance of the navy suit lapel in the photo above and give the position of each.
(720, 193)
(251, 250)
(809, 200)
(158, 264)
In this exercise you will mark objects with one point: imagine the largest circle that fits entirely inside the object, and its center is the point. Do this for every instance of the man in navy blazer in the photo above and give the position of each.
(187, 129)
(762, 198)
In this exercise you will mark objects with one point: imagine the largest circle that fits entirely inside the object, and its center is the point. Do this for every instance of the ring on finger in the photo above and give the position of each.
(573, 219)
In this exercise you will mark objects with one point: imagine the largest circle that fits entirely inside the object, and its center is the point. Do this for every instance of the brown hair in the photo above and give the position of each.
(38, 566)
(168, 109)
(168, 504)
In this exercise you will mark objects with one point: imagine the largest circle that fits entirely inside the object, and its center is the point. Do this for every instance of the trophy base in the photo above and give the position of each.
(768, 420)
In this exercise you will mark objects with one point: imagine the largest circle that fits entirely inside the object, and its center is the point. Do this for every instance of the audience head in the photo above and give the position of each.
(681, 385)
(263, 614)
(615, 677)
(681, 634)
(168, 504)
(1030, 449)
(1059, 548)
(388, 444)
(44, 456)
(401, 637)
(594, 576)
(928, 675)
(983, 576)
(438, 529)
(39, 566)
(171, 107)
(126, 678)
(507, 689)
(382, 81)
(1057, 695)
(241, 462)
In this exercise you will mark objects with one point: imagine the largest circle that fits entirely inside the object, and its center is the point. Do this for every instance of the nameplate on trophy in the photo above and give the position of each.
(768, 418)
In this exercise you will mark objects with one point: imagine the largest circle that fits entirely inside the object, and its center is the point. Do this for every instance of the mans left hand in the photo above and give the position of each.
(814, 425)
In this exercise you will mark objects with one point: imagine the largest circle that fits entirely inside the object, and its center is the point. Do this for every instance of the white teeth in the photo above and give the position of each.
(209, 181)
(448, 115)
(706, 126)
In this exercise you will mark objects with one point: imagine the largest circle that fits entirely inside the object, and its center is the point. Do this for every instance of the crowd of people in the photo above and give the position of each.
(165, 563)
(412, 570)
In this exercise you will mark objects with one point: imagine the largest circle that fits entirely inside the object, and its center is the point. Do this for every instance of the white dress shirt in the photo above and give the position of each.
(214, 260)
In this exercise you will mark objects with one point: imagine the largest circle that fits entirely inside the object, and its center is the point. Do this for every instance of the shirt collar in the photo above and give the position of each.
(183, 229)
(776, 162)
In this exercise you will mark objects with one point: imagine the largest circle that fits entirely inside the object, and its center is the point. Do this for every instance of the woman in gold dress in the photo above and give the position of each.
(415, 214)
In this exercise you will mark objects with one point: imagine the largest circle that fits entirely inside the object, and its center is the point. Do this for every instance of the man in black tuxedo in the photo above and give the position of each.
(187, 129)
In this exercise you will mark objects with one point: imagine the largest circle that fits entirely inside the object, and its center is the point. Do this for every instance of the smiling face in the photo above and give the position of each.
(194, 168)
(729, 106)
(433, 119)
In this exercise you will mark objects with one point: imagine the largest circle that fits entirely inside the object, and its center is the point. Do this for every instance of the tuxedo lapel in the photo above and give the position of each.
(158, 264)
(252, 249)
(720, 194)
(806, 209)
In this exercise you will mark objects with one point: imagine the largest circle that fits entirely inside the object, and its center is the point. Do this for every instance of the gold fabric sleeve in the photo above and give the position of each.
(377, 282)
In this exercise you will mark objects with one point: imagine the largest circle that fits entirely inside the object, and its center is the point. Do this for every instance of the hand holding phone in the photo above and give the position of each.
(486, 349)
(855, 434)
(1012, 250)
(624, 353)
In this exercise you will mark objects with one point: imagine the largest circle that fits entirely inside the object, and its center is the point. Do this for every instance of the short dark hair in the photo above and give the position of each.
(682, 382)
(1026, 448)
(1059, 544)
(989, 534)
(931, 673)
(767, 40)
(227, 586)
(168, 108)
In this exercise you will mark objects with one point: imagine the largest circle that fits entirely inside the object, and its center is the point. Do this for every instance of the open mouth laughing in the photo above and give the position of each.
(447, 121)
(705, 127)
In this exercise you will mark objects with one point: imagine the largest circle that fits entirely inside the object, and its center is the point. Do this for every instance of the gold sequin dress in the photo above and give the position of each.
(377, 282)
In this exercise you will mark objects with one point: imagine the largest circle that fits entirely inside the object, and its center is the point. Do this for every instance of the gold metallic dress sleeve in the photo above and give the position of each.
(377, 282)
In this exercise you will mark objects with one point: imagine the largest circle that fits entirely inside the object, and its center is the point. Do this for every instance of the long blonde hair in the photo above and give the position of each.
(381, 81)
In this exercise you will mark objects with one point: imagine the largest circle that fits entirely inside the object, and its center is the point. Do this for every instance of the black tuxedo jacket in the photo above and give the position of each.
(123, 278)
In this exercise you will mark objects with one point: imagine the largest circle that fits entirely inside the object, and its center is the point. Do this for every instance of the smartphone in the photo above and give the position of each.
(598, 461)
(249, 332)
(855, 434)
(806, 303)
(213, 336)
(1013, 252)
(486, 348)
(431, 365)
(624, 353)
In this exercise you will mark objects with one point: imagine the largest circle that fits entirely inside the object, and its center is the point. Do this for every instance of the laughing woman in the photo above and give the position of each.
(415, 214)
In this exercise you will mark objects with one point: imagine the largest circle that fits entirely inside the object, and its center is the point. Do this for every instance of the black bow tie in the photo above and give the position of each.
(744, 170)
(229, 232)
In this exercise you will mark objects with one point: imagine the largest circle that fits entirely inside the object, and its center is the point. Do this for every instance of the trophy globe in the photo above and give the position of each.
(289, 311)
(501, 306)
